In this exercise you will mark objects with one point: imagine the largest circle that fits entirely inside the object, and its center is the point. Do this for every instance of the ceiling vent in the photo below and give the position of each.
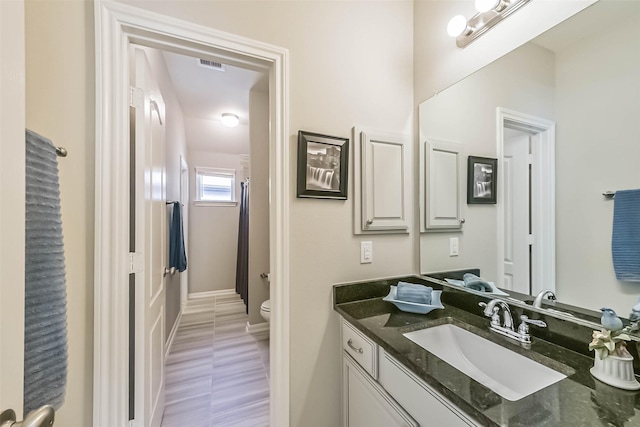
(212, 64)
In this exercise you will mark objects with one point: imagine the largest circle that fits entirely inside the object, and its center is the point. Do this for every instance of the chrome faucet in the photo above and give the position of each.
(537, 303)
(492, 309)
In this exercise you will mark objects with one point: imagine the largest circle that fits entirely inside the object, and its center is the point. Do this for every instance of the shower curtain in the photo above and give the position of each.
(242, 263)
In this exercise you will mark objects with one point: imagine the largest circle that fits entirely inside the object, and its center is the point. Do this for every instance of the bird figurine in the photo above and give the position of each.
(610, 320)
(635, 312)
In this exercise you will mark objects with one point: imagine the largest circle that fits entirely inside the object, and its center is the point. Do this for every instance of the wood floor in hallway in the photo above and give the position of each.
(217, 374)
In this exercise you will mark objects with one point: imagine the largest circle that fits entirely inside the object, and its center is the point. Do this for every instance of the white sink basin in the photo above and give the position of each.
(507, 373)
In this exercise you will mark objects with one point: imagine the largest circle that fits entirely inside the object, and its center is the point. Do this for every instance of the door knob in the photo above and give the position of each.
(166, 271)
(41, 417)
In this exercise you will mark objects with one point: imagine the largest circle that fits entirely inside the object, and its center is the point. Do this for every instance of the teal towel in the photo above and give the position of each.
(625, 240)
(472, 281)
(411, 292)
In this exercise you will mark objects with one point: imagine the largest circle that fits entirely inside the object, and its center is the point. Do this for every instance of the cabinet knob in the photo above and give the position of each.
(462, 221)
(369, 221)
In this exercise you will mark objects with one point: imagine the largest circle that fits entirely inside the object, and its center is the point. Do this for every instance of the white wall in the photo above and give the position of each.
(466, 113)
(213, 230)
(176, 146)
(598, 111)
(60, 105)
(258, 203)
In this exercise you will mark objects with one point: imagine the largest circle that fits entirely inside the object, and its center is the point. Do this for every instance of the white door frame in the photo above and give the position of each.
(117, 26)
(543, 190)
(184, 199)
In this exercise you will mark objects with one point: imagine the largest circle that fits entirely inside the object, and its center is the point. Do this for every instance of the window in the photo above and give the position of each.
(215, 186)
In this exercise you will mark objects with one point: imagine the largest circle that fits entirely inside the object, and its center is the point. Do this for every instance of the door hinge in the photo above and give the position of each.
(136, 97)
(530, 159)
(136, 262)
(531, 239)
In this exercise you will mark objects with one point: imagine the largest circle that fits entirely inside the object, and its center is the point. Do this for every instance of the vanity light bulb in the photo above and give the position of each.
(457, 25)
(486, 5)
(230, 120)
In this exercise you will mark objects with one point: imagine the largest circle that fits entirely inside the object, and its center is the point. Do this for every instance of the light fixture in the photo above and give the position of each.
(486, 5)
(230, 120)
(457, 26)
(490, 12)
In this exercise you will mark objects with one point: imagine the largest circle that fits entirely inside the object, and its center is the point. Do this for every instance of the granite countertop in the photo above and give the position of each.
(578, 400)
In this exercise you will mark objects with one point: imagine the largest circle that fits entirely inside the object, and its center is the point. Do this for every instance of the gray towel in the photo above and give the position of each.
(625, 240)
(472, 281)
(410, 292)
(45, 335)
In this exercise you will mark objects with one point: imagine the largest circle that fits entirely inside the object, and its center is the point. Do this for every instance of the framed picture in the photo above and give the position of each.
(482, 175)
(322, 166)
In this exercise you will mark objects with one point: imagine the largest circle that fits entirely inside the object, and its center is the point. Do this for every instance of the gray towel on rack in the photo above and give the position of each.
(625, 240)
(45, 335)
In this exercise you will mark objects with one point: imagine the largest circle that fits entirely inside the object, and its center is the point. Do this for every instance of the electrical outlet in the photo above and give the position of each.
(454, 249)
(366, 252)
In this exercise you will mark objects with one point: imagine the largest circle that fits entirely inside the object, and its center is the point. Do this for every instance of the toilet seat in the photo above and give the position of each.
(265, 310)
(266, 306)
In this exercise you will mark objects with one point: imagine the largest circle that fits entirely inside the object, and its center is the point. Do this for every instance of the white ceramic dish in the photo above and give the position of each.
(494, 289)
(414, 307)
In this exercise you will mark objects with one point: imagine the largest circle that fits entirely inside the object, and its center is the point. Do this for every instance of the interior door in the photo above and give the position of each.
(12, 203)
(517, 242)
(150, 222)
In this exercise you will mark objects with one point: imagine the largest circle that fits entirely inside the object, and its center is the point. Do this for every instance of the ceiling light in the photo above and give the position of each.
(230, 120)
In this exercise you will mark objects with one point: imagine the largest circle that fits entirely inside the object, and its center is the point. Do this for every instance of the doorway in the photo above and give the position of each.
(117, 27)
(526, 202)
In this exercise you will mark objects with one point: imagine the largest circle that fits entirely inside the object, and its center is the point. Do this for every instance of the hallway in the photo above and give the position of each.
(217, 374)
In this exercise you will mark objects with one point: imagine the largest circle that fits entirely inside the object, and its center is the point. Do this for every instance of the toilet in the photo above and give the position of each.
(265, 310)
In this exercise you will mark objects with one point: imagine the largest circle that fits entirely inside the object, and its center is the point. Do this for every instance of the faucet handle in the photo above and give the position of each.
(523, 329)
(525, 319)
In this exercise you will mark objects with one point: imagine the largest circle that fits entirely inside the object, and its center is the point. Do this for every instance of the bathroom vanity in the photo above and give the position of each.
(390, 380)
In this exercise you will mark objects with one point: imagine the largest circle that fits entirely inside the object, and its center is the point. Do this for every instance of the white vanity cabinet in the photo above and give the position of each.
(364, 402)
(378, 391)
(426, 405)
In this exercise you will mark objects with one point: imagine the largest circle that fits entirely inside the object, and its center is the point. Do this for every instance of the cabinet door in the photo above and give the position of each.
(382, 182)
(366, 404)
(441, 186)
(426, 405)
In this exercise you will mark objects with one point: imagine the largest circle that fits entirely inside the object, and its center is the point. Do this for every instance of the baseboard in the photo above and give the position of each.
(172, 335)
(209, 294)
(258, 328)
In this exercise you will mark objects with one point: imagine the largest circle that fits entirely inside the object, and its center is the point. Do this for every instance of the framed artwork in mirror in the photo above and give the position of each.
(322, 166)
(482, 175)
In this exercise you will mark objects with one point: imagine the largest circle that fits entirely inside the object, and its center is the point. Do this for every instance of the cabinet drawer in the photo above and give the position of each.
(362, 349)
(424, 404)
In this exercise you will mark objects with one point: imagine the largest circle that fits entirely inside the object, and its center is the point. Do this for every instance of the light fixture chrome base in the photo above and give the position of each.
(480, 23)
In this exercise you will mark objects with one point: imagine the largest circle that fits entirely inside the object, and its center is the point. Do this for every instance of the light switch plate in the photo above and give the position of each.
(454, 248)
(366, 252)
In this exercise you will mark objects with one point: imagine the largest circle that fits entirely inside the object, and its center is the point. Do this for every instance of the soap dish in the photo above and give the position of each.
(494, 289)
(414, 307)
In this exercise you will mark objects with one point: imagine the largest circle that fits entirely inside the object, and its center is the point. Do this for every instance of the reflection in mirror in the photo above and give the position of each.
(551, 227)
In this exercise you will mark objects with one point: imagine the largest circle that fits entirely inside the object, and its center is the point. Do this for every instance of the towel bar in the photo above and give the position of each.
(609, 194)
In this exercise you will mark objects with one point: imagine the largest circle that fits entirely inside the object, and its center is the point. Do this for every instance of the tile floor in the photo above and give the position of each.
(217, 374)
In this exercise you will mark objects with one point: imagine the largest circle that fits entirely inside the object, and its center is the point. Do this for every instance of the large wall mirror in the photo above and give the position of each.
(562, 116)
